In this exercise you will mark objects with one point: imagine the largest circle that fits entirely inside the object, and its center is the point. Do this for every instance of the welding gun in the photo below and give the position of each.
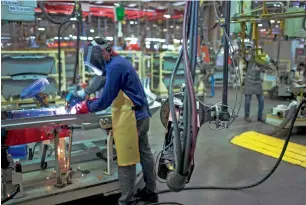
(35, 90)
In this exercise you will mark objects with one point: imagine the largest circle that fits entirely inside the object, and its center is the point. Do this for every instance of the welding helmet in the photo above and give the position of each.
(93, 55)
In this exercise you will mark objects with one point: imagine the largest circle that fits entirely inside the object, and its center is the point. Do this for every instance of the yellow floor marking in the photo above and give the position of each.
(272, 141)
(295, 153)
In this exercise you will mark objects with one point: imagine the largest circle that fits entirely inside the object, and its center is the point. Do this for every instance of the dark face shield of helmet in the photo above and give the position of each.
(94, 60)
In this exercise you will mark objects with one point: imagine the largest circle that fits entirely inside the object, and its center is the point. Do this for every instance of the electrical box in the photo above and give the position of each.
(13, 10)
(294, 26)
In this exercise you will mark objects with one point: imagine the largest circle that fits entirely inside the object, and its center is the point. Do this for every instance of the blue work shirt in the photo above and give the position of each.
(121, 75)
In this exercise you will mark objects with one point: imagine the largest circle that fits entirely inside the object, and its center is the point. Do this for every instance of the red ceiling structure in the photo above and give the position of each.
(108, 11)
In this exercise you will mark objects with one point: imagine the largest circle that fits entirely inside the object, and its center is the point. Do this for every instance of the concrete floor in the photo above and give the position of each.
(220, 163)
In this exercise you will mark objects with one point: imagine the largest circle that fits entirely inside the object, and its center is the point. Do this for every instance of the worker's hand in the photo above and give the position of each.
(81, 107)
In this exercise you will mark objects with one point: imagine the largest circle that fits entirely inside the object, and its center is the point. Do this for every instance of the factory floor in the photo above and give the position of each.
(220, 163)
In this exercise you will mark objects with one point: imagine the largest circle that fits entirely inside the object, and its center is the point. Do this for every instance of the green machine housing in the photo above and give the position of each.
(294, 27)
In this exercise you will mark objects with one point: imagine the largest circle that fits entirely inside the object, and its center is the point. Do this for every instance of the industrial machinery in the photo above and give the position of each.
(63, 157)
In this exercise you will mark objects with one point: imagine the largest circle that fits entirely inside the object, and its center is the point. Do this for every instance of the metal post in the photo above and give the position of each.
(69, 174)
(59, 182)
(227, 12)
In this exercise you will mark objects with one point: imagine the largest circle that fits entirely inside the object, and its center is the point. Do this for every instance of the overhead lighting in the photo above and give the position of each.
(70, 35)
(83, 38)
(132, 22)
(154, 25)
(167, 16)
(132, 5)
(74, 37)
(171, 26)
(147, 46)
(272, 21)
(260, 25)
(276, 26)
(66, 38)
(38, 18)
(278, 21)
(92, 30)
(90, 38)
(165, 30)
(41, 29)
(177, 27)
(178, 3)
(116, 4)
(176, 41)
(73, 19)
(109, 38)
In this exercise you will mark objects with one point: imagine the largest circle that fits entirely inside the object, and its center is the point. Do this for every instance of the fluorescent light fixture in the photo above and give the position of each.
(276, 26)
(178, 3)
(272, 21)
(38, 18)
(165, 30)
(154, 25)
(132, 5)
(260, 25)
(162, 40)
(73, 19)
(131, 39)
(90, 38)
(66, 38)
(147, 46)
(92, 30)
(176, 41)
(41, 29)
(83, 38)
(171, 26)
(278, 21)
(74, 37)
(132, 22)
(109, 38)
(164, 46)
(177, 27)
(167, 16)
(70, 35)
(32, 37)
(116, 4)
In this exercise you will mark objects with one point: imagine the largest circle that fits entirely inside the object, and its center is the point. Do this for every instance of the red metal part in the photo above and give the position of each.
(29, 135)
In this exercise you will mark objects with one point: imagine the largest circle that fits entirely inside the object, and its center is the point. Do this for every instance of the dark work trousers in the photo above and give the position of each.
(127, 174)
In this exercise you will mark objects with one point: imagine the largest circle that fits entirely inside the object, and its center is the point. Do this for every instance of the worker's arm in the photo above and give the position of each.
(95, 84)
(111, 89)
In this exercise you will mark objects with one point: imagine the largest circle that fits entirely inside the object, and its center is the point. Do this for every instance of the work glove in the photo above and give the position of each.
(81, 107)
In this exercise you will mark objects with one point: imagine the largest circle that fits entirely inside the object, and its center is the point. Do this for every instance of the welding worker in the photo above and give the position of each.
(253, 86)
(123, 91)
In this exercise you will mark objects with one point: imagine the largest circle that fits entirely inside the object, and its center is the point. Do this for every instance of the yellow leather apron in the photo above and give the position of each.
(125, 131)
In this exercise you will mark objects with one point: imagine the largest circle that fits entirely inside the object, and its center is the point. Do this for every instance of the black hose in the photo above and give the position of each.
(267, 176)
(187, 106)
(177, 144)
(59, 53)
(11, 196)
(42, 7)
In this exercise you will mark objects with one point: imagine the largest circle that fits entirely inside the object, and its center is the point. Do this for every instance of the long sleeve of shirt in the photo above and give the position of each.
(111, 89)
(95, 84)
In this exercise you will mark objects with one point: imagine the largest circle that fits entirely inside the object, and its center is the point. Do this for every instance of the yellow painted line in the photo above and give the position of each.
(295, 153)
